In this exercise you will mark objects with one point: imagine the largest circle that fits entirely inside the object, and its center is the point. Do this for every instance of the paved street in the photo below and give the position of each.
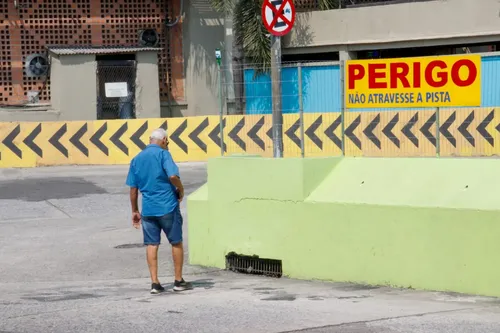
(70, 261)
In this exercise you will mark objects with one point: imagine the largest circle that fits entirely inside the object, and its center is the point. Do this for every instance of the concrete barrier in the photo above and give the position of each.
(408, 222)
(464, 132)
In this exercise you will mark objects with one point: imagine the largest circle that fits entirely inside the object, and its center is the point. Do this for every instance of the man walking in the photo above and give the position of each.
(154, 173)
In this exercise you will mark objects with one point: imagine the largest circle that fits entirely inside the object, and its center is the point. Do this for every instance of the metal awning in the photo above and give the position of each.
(99, 50)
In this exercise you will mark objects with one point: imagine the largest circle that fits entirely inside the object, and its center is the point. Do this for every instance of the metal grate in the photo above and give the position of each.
(116, 107)
(253, 265)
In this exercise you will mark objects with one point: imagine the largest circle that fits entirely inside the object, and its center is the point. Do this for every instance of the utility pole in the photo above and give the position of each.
(276, 93)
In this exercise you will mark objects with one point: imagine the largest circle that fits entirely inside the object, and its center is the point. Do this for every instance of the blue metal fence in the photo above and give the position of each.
(490, 76)
(322, 88)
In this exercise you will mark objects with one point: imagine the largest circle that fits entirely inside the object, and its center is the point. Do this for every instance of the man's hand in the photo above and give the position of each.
(176, 181)
(136, 219)
(180, 194)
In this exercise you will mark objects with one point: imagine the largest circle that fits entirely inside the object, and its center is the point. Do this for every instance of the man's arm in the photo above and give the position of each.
(134, 196)
(173, 173)
(136, 216)
(176, 181)
(132, 183)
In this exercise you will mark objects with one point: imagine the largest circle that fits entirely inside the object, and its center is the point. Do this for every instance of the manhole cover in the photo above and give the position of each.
(129, 246)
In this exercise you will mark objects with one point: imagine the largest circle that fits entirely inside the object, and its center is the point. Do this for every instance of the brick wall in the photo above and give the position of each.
(35, 24)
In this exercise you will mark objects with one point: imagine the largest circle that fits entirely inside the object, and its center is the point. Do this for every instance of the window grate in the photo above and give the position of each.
(253, 265)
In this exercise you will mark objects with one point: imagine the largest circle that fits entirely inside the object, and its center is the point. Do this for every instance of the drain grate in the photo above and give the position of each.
(253, 265)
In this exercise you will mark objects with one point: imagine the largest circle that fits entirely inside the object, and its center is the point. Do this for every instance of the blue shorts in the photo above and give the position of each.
(171, 224)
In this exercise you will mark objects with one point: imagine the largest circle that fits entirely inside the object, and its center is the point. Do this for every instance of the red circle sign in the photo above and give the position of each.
(278, 16)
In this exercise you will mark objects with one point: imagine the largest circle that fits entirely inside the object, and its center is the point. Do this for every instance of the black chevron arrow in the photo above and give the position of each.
(425, 130)
(369, 131)
(445, 129)
(96, 139)
(30, 141)
(194, 135)
(76, 140)
(136, 137)
(387, 130)
(311, 132)
(330, 132)
(407, 130)
(349, 132)
(9, 141)
(253, 133)
(54, 140)
(164, 125)
(291, 133)
(115, 138)
(233, 134)
(269, 133)
(215, 135)
(176, 136)
(482, 128)
(463, 129)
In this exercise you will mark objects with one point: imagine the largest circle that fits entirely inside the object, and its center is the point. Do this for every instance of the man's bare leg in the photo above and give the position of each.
(178, 257)
(152, 257)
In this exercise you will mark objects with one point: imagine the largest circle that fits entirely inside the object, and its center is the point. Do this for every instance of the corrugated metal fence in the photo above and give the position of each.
(327, 128)
(322, 90)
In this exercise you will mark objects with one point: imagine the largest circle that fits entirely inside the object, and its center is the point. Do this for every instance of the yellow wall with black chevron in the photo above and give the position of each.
(446, 132)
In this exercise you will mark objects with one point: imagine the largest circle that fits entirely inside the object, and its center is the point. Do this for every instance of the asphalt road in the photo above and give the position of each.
(70, 261)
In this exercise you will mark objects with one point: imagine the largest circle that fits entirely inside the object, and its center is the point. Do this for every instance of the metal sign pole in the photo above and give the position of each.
(276, 93)
(218, 57)
(278, 16)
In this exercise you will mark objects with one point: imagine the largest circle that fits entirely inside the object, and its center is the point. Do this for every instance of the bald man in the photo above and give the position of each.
(154, 173)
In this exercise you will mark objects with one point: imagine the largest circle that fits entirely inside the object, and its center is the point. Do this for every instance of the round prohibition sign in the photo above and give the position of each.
(278, 16)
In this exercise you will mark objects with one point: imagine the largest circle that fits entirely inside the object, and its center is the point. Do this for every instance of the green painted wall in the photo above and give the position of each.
(403, 222)
(424, 182)
(232, 178)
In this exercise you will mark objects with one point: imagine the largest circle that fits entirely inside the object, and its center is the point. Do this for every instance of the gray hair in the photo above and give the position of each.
(158, 134)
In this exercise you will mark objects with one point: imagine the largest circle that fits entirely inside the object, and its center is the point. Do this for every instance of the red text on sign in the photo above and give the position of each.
(436, 74)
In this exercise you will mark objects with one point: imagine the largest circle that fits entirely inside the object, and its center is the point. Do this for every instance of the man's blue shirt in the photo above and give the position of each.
(150, 171)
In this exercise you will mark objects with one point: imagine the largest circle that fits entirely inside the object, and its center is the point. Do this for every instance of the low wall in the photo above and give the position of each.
(443, 132)
(101, 142)
(422, 223)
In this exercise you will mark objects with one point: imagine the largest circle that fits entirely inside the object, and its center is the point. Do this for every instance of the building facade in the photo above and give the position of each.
(28, 28)
(367, 29)
(362, 25)
(189, 78)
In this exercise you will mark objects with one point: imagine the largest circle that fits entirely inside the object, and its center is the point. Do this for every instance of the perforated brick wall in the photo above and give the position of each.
(34, 24)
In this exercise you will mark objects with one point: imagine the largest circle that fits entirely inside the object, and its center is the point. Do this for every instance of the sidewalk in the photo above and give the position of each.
(228, 302)
(71, 262)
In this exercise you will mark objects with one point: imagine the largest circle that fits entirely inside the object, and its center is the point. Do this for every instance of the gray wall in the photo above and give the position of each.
(73, 86)
(74, 92)
(29, 114)
(147, 88)
(203, 31)
(418, 22)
